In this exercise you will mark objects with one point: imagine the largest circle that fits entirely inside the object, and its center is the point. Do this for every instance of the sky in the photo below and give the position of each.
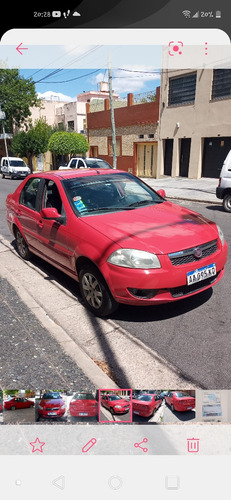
(68, 83)
(72, 70)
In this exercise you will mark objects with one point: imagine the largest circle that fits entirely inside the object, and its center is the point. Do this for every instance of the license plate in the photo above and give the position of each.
(189, 407)
(52, 413)
(83, 414)
(201, 274)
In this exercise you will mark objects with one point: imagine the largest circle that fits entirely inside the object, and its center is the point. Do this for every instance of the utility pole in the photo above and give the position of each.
(2, 118)
(112, 114)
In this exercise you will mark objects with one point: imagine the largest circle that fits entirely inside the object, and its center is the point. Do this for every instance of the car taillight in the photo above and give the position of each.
(219, 183)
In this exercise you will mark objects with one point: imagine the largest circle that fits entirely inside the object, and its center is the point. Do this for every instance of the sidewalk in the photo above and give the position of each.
(182, 188)
(47, 332)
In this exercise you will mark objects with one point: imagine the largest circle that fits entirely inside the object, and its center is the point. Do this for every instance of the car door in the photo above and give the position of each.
(28, 211)
(52, 235)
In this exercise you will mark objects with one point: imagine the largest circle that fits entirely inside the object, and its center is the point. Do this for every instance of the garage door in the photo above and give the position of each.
(215, 152)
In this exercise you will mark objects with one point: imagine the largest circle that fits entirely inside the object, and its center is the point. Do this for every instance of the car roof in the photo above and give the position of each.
(69, 174)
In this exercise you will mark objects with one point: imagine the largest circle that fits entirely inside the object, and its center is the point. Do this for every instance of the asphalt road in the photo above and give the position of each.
(192, 334)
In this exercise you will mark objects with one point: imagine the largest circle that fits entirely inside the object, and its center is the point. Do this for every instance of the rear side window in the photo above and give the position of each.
(29, 193)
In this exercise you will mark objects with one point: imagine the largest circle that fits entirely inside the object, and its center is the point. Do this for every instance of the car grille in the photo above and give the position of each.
(180, 291)
(52, 408)
(187, 256)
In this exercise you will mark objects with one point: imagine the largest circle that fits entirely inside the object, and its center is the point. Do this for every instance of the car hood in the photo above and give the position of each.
(51, 402)
(162, 228)
(121, 402)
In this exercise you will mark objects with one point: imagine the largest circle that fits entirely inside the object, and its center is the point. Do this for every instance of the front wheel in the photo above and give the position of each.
(227, 202)
(22, 246)
(95, 292)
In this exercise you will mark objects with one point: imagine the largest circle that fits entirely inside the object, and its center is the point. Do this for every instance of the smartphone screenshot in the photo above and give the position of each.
(115, 196)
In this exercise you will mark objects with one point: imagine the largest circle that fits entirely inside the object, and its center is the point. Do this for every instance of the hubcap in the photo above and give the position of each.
(21, 244)
(92, 290)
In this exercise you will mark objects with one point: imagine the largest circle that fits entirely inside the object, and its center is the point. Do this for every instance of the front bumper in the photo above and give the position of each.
(160, 286)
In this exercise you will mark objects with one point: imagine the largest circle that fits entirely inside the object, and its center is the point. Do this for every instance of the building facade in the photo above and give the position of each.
(136, 135)
(195, 122)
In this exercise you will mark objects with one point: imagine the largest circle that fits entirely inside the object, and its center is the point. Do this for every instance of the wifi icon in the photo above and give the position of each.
(186, 13)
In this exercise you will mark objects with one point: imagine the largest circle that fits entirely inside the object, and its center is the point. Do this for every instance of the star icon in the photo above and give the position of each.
(37, 445)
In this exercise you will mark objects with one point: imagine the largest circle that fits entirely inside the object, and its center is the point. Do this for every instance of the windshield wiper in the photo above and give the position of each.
(144, 202)
(108, 209)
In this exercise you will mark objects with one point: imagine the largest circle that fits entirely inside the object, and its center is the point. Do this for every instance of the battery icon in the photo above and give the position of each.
(218, 13)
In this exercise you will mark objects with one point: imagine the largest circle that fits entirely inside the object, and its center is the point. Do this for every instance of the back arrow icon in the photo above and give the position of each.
(19, 48)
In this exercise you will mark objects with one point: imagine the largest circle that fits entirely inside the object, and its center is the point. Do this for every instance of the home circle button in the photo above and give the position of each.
(115, 482)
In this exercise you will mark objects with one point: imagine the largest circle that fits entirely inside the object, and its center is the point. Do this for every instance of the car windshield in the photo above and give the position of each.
(96, 194)
(51, 395)
(17, 163)
(83, 396)
(96, 163)
(145, 397)
(182, 395)
(114, 397)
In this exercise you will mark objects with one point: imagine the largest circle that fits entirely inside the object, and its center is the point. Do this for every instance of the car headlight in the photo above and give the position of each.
(118, 406)
(134, 259)
(40, 407)
(221, 235)
(62, 407)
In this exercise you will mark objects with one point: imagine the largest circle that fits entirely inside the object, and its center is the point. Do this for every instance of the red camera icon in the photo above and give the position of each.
(175, 48)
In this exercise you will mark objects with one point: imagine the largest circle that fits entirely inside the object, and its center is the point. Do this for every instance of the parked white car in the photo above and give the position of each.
(223, 191)
(14, 167)
(79, 162)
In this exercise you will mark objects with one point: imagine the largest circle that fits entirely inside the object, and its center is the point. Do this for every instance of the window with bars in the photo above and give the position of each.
(182, 89)
(221, 83)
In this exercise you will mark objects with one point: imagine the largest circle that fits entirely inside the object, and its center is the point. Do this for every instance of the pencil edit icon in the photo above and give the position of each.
(88, 445)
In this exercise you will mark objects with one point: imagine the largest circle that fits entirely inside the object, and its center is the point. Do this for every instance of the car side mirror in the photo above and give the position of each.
(52, 213)
(162, 193)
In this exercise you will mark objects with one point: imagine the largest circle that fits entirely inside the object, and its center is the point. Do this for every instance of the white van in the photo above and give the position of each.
(14, 167)
(223, 191)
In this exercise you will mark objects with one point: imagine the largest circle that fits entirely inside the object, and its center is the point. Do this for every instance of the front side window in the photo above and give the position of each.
(51, 197)
(29, 193)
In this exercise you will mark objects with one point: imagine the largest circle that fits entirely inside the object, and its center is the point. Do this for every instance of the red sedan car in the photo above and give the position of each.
(17, 403)
(51, 405)
(146, 404)
(115, 403)
(83, 404)
(180, 401)
(119, 238)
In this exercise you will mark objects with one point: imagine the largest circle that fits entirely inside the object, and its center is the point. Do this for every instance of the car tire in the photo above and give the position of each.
(31, 406)
(3, 176)
(13, 407)
(227, 202)
(95, 292)
(172, 407)
(22, 246)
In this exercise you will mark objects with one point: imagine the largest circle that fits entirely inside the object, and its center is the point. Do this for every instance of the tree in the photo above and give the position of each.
(17, 96)
(33, 142)
(64, 143)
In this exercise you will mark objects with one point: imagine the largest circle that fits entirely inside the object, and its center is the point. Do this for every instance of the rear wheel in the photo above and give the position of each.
(22, 246)
(227, 202)
(95, 292)
(172, 407)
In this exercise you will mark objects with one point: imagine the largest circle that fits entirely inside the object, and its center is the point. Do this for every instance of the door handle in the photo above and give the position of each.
(18, 212)
(40, 223)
